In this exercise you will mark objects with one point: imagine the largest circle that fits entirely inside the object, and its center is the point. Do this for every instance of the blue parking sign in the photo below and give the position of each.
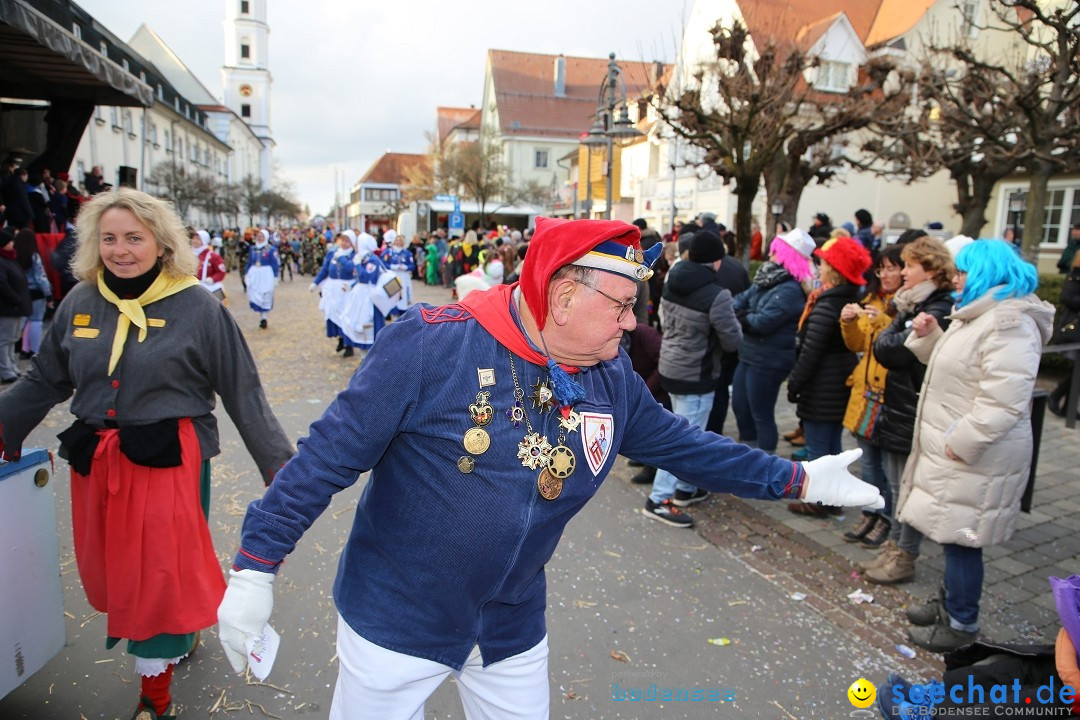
(456, 222)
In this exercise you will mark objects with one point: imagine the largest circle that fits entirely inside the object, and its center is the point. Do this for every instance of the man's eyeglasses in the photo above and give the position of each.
(624, 307)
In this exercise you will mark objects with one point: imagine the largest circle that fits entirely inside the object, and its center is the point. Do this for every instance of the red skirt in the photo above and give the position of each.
(142, 543)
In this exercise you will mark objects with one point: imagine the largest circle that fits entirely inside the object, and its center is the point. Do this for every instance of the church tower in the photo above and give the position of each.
(246, 74)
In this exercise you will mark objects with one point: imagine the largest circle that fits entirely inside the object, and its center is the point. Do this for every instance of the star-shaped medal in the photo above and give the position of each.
(570, 421)
(533, 451)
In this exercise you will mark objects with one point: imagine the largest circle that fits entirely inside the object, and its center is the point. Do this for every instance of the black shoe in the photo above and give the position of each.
(24, 355)
(869, 520)
(340, 344)
(941, 637)
(929, 612)
(686, 499)
(262, 324)
(8, 381)
(667, 513)
(348, 352)
(644, 476)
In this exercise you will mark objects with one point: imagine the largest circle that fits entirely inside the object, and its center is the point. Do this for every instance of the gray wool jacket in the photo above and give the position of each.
(193, 349)
(699, 326)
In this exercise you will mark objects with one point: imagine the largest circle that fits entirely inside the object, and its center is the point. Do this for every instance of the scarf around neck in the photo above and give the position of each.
(907, 300)
(771, 273)
(131, 311)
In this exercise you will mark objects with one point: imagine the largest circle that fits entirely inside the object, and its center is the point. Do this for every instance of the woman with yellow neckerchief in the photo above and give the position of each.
(144, 349)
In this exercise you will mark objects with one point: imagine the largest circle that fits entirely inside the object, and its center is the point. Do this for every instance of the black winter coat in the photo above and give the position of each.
(14, 290)
(818, 382)
(896, 423)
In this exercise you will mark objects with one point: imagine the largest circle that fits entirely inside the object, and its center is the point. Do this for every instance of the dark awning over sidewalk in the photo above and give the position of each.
(41, 60)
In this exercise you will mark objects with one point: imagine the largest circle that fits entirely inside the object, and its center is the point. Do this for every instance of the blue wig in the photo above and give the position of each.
(990, 263)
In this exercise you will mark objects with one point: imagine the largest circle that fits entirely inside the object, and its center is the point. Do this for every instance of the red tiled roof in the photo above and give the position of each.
(782, 20)
(449, 118)
(390, 168)
(525, 91)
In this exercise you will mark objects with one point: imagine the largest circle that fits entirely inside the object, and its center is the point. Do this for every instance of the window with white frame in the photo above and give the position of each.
(245, 49)
(833, 76)
(76, 30)
(541, 159)
(114, 117)
(104, 48)
(168, 141)
(128, 126)
(1062, 210)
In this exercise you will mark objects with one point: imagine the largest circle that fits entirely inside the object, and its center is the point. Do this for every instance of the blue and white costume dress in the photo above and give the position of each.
(403, 263)
(262, 273)
(361, 320)
(335, 279)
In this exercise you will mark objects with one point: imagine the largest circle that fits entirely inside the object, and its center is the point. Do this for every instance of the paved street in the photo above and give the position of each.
(631, 602)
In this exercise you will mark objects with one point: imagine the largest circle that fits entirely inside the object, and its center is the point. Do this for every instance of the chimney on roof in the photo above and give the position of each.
(657, 71)
(560, 76)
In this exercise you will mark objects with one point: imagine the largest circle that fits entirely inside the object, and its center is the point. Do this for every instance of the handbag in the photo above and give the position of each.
(873, 402)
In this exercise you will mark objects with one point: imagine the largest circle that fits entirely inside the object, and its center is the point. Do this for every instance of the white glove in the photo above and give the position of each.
(312, 287)
(244, 611)
(828, 482)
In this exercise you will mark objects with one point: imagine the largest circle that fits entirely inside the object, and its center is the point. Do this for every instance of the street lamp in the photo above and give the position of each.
(607, 126)
(1017, 201)
(777, 210)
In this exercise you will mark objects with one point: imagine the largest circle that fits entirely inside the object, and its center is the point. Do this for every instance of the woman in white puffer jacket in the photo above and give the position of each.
(971, 452)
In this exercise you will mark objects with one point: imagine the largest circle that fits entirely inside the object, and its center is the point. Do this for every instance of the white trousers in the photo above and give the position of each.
(374, 682)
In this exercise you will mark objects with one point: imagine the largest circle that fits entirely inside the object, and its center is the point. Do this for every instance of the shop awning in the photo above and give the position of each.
(41, 60)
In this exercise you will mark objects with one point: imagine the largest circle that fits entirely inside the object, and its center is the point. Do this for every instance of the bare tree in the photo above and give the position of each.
(183, 188)
(251, 200)
(752, 112)
(983, 118)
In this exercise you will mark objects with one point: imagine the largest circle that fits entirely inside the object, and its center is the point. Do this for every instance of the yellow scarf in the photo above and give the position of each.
(131, 311)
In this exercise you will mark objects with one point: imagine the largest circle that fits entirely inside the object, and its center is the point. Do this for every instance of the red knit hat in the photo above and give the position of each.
(609, 245)
(848, 257)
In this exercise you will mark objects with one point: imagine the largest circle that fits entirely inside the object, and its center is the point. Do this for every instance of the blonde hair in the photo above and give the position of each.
(157, 215)
(933, 256)
(831, 276)
(839, 233)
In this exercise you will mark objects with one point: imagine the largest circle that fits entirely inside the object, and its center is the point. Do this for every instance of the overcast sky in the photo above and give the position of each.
(352, 80)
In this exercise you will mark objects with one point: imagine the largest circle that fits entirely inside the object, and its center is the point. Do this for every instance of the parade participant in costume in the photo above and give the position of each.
(361, 317)
(209, 267)
(400, 259)
(337, 276)
(262, 276)
(431, 262)
(144, 350)
(517, 403)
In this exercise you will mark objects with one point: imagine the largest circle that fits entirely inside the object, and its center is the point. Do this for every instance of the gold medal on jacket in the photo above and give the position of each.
(549, 485)
(477, 441)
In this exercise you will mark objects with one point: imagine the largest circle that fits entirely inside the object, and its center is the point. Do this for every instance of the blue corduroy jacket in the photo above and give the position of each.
(440, 560)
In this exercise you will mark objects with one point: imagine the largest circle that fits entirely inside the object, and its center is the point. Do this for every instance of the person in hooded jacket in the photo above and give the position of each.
(818, 382)
(699, 326)
(927, 288)
(971, 451)
(769, 313)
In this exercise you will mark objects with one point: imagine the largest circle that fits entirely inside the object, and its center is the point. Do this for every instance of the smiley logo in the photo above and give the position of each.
(862, 693)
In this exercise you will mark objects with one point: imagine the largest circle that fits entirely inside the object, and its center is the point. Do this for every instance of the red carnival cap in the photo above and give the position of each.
(610, 245)
(848, 257)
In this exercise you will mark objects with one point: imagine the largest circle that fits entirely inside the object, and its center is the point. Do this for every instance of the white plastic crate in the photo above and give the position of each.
(31, 598)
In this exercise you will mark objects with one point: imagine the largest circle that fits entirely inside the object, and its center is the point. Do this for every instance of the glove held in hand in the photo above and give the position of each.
(245, 609)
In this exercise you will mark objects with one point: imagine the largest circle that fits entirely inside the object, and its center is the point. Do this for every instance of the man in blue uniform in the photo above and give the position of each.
(519, 401)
